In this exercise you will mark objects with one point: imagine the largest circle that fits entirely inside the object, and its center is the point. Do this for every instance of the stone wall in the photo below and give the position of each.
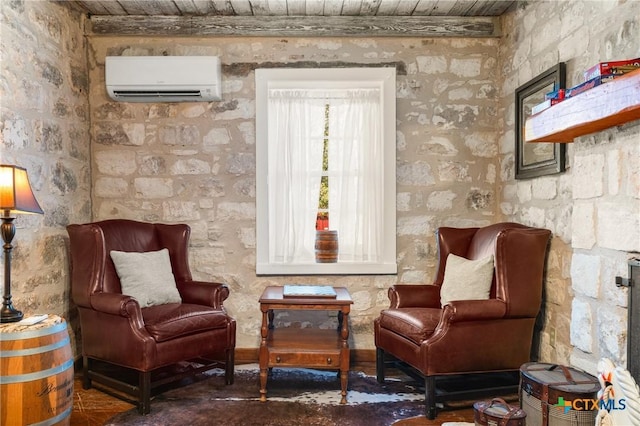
(593, 209)
(44, 127)
(195, 162)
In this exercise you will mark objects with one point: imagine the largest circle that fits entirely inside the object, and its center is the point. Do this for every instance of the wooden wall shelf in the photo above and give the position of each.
(608, 105)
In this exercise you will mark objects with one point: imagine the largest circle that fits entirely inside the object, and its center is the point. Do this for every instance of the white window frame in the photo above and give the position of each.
(327, 78)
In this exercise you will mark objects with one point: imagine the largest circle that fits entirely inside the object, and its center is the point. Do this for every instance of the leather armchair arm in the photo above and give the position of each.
(112, 303)
(414, 296)
(203, 293)
(122, 306)
(474, 310)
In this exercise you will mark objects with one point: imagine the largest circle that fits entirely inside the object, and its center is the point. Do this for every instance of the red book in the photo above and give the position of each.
(613, 67)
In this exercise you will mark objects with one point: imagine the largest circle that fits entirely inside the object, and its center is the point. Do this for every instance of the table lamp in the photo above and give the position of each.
(16, 196)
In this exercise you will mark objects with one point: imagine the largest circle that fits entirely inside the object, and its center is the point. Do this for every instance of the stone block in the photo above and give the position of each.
(116, 162)
(556, 291)
(467, 67)
(241, 163)
(441, 200)
(194, 111)
(416, 173)
(438, 145)
(431, 64)
(453, 171)
(584, 361)
(524, 191)
(544, 188)
(248, 237)
(478, 199)
(618, 225)
(248, 132)
(179, 211)
(588, 176)
(216, 136)
(414, 225)
(463, 93)
(450, 117)
(191, 166)
(236, 211)
(614, 172)
(612, 332)
(151, 188)
(584, 225)
(582, 326)
(110, 187)
(414, 277)
(182, 135)
(482, 144)
(585, 274)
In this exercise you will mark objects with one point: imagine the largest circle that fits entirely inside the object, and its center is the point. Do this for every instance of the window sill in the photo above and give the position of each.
(340, 268)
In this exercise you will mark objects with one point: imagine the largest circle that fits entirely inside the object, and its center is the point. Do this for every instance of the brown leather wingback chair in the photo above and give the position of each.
(116, 330)
(471, 336)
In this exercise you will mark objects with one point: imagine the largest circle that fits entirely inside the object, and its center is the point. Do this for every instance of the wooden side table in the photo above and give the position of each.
(311, 347)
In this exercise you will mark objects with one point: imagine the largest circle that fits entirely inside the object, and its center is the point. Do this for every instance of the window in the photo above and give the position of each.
(332, 129)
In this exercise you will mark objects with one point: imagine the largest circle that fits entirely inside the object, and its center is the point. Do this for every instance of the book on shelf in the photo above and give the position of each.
(308, 290)
(612, 67)
(556, 94)
(583, 87)
(547, 103)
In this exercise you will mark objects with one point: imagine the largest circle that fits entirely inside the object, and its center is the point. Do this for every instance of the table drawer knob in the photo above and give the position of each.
(329, 361)
(277, 359)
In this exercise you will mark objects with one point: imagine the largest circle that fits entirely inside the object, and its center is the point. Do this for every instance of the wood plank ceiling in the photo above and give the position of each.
(297, 7)
(338, 18)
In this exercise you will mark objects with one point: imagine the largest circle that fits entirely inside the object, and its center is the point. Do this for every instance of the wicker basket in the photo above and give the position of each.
(543, 385)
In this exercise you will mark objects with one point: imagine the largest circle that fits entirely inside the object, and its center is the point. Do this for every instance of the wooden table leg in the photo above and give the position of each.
(343, 321)
(264, 357)
(344, 376)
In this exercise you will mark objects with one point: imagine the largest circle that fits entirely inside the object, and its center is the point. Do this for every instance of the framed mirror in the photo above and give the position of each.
(537, 159)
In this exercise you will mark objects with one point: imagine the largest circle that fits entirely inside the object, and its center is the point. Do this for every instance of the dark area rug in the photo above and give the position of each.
(295, 397)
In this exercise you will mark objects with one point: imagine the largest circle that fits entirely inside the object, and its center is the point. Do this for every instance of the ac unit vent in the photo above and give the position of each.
(163, 78)
(158, 93)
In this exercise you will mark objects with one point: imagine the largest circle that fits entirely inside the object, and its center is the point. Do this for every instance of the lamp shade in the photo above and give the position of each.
(16, 195)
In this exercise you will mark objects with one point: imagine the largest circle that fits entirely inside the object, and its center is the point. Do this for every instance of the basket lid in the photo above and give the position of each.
(560, 377)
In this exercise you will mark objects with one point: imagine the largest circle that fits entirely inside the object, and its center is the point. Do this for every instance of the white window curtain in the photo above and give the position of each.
(296, 134)
(355, 175)
(294, 182)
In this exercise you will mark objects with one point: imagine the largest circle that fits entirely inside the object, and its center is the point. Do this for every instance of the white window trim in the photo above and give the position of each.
(385, 79)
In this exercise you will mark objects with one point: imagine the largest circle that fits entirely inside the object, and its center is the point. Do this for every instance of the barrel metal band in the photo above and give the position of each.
(53, 420)
(56, 328)
(20, 378)
(35, 351)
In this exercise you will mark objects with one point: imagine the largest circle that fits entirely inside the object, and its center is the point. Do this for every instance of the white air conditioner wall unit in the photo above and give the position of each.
(163, 78)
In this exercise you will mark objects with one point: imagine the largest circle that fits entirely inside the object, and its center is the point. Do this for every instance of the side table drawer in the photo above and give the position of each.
(326, 360)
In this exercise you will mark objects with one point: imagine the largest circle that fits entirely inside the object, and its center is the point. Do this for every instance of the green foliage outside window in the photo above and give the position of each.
(323, 200)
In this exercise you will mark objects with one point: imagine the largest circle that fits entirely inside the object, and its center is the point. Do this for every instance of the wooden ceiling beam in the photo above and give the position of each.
(297, 26)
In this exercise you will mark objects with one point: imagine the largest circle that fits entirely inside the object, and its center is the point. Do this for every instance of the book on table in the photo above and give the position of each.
(305, 290)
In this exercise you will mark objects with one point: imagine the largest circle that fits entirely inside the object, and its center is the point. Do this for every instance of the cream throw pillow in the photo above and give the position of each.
(146, 276)
(466, 279)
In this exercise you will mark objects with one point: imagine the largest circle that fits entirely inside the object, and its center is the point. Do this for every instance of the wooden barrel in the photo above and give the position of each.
(326, 246)
(36, 373)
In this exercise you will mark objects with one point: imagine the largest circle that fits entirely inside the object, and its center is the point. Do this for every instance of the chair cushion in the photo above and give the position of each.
(416, 324)
(466, 279)
(170, 321)
(146, 276)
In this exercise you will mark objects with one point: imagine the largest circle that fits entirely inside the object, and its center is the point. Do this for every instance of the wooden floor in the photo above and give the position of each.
(93, 408)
